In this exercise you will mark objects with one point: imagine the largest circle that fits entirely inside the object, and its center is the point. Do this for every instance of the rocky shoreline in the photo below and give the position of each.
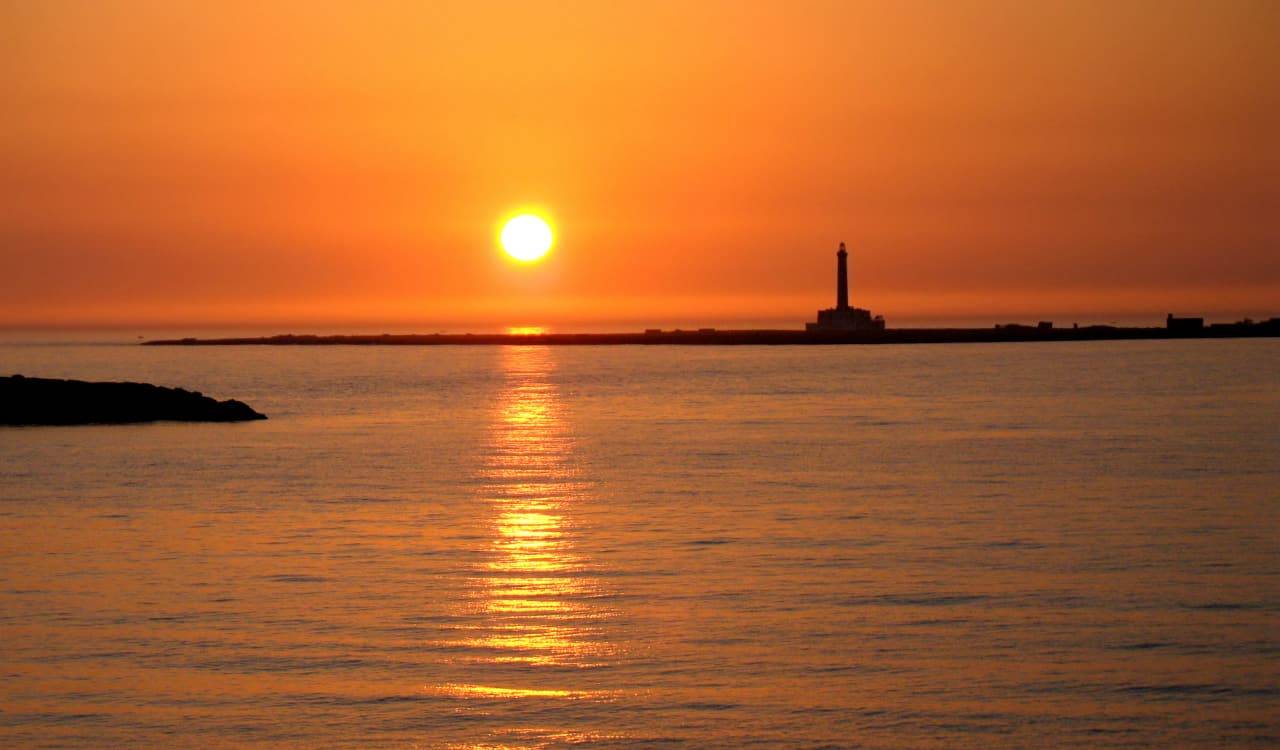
(47, 401)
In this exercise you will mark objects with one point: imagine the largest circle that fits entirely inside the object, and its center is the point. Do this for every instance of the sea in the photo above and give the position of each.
(928, 546)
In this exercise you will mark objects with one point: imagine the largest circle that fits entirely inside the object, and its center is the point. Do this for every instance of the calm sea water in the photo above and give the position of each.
(1025, 545)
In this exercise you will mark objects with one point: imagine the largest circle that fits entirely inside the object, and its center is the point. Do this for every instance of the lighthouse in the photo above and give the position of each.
(842, 317)
(842, 278)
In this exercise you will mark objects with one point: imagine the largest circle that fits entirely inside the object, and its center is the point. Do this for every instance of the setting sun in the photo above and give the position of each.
(526, 238)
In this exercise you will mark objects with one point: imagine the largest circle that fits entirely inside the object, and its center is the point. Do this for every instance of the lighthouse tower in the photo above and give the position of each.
(842, 317)
(842, 278)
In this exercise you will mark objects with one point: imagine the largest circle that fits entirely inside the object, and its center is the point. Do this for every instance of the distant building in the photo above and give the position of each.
(1183, 324)
(842, 317)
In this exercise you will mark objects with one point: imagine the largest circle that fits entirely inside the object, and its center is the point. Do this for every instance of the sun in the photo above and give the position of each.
(526, 238)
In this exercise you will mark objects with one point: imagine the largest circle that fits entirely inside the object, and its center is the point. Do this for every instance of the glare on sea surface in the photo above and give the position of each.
(526, 237)
(534, 602)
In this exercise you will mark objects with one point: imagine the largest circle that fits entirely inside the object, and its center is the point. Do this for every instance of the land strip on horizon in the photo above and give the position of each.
(715, 337)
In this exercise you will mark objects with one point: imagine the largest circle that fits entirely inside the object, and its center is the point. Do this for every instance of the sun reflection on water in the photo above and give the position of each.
(533, 595)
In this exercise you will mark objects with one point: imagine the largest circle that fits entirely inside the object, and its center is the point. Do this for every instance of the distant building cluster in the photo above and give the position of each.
(842, 317)
(1183, 324)
(845, 317)
(1193, 325)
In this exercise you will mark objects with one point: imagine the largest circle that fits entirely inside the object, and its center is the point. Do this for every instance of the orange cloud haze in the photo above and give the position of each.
(247, 162)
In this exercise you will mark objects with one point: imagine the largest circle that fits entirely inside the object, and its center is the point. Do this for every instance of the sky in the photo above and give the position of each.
(345, 164)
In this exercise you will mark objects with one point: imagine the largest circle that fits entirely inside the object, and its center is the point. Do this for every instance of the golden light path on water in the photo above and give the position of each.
(533, 601)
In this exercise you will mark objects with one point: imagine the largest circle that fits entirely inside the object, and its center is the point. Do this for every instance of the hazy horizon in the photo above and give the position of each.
(112, 331)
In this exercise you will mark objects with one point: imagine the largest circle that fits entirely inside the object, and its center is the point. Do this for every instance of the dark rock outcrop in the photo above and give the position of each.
(45, 401)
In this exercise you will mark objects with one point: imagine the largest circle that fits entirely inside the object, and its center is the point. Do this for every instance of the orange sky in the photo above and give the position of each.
(344, 163)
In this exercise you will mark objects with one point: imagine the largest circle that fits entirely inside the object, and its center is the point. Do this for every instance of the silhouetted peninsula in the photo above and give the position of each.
(842, 324)
(45, 401)
(713, 337)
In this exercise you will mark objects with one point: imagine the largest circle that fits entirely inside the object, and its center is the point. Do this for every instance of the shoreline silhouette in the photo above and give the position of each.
(50, 401)
(1009, 333)
(842, 324)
